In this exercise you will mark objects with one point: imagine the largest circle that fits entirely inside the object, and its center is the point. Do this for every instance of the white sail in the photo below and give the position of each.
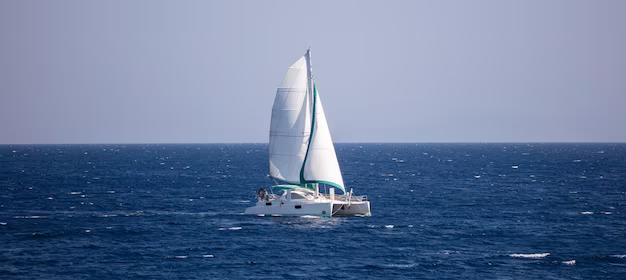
(321, 163)
(296, 156)
(290, 125)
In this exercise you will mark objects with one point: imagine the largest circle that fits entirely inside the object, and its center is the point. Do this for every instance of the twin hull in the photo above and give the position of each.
(325, 208)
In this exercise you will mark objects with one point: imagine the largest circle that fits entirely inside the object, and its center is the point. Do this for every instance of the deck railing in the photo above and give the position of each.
(340, 197)
(355, 198)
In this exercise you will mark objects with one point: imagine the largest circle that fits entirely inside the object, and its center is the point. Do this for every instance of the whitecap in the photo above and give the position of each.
(3, 224)
(30, 217)
(577, 160)
(572, 262)
(87, 230)
(75, 192)
(586, 213)
(208, 256)
(515, 167)
(618, 256)
(231, 228)
(260, 215)
(477, 176)
(530, 256)
(397, 265)
(389, 226)
(180, 257)
(310, 217)
(608, 213)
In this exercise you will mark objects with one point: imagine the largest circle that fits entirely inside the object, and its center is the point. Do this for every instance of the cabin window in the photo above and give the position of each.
(298, 206)
(296, 196)
(268, 204)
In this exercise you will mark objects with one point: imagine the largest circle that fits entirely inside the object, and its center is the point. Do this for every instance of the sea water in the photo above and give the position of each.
(439, 211)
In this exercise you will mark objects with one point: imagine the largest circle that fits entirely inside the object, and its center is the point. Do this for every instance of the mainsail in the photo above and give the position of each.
(290, 125)
(301, 148)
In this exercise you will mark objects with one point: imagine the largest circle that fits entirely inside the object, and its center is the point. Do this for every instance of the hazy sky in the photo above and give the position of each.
(401, 71)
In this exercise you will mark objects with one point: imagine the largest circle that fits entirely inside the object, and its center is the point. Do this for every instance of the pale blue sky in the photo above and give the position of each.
(387, 71)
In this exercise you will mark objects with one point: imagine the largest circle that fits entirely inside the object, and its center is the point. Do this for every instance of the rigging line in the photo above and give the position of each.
(333, 214)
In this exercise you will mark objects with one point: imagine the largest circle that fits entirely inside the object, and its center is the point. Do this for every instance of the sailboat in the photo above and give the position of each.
(302, 157)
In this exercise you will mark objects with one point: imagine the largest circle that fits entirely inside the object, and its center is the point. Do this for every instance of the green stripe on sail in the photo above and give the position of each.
(302, 180)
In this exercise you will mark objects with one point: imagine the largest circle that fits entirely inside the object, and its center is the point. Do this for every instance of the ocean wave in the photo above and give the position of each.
(530, 256)
(186, 257)
(399, 265)
(389, 226)
(231, 228)
(176, 257)
(572, 262)
(46, 234)
(393, 265)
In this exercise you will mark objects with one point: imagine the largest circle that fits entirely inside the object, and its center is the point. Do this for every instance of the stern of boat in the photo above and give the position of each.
(361, 208)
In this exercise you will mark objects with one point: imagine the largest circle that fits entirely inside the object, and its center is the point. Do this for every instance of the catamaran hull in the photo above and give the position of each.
(290, 209)
(361, 208)
(328, 209)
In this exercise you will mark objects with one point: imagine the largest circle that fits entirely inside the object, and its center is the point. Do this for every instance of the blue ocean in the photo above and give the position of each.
(439, 211)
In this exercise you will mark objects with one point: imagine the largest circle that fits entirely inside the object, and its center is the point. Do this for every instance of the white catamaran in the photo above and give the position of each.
(302, 154)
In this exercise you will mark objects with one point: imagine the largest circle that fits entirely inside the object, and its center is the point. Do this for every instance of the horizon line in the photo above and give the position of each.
(375, 142)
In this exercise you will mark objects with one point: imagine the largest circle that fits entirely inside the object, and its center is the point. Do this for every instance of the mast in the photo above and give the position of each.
(309, 72)
(311, 96)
